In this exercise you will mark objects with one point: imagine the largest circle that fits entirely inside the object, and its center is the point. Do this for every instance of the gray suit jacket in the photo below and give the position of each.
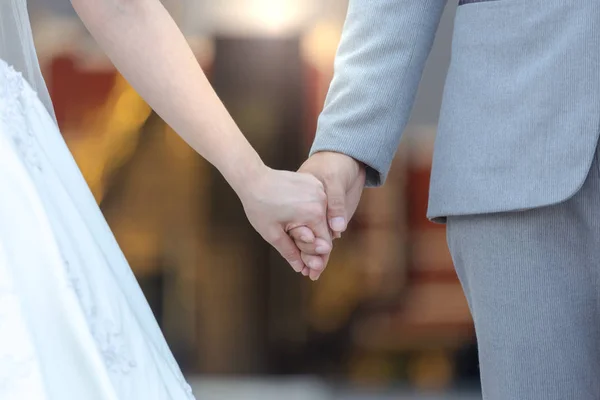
(520, 115)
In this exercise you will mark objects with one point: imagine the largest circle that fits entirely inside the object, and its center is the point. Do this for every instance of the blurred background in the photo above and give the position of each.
(388, 320)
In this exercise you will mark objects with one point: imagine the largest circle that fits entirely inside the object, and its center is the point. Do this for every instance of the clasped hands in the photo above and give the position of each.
(300, 213)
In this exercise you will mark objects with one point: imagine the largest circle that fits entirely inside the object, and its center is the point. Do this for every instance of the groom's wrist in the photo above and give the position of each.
(369, 157)
(350, 161)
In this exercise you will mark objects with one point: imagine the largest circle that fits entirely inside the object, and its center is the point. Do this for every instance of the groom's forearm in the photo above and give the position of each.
(378, 67)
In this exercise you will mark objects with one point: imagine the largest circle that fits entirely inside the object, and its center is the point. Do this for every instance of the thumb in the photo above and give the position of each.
(336, 207)
(288, 250)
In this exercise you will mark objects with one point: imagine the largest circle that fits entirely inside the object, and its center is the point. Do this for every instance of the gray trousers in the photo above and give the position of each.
(532, 280)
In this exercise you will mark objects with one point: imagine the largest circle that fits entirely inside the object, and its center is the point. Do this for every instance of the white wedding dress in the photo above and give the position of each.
(74, 323)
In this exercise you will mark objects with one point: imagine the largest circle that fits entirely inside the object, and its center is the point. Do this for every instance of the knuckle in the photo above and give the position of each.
(295, 233)
(275, 237)
(329, 175)
(336, 202)
(317, 212)
(290, 254)
(321, 195)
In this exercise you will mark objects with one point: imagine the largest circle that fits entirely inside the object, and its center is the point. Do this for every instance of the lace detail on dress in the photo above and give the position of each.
(17, 366)
(109, 338)
(104, 321)
(107, 335)
(13, 91)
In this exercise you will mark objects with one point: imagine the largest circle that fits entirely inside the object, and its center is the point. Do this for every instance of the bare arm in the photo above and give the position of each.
(147, 47)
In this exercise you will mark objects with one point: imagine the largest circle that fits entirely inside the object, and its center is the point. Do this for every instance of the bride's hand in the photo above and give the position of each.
(279, 201)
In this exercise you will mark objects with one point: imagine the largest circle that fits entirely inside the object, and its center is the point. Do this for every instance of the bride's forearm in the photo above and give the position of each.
(149, 50)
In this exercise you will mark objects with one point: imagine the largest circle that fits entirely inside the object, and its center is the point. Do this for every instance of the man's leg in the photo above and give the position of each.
(532, 280)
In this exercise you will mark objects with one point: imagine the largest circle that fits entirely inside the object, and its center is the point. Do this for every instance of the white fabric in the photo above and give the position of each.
(17, 47)
(74, 323)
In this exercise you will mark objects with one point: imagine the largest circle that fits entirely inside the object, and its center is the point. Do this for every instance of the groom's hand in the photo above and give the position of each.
(343, 179)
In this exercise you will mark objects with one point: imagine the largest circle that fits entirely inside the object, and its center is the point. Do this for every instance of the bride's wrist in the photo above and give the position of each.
(245, 176)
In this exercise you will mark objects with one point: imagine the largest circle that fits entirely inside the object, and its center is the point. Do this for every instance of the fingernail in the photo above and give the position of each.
(307, 239)
(297, 267)
(322, 249)
(313, 264)
(338, 224)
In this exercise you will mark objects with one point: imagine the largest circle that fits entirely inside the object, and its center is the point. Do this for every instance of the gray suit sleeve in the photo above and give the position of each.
(378, 66)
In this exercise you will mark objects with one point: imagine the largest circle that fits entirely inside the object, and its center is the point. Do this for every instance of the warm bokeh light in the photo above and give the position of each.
(262, 17)
(320, 43)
